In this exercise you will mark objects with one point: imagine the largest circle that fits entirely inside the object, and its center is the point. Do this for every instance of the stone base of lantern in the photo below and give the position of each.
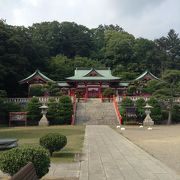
(43, 121)
(148, 121)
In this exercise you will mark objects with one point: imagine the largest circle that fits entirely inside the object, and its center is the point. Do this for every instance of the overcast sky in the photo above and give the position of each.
(143, 18)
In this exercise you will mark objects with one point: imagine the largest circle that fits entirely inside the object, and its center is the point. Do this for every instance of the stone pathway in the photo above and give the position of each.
(57, 171)
(68, 171)
(110, 156)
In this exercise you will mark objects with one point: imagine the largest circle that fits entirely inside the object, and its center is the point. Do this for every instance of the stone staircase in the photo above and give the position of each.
(94, 112)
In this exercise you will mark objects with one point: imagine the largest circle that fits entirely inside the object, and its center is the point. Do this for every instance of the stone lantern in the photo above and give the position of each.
(148, 121)
(43, 121)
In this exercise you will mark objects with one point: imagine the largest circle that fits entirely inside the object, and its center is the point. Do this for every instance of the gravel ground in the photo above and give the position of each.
(162, 142)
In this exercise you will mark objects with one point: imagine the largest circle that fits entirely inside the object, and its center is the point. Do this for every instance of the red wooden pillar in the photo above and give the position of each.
(100, 89)
(86, 90)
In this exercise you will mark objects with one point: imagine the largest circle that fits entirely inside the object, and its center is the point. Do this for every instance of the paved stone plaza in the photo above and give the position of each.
(68, 171)
(110, 156)
(162, 142)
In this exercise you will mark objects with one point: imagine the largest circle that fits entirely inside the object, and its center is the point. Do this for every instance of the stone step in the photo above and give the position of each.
(95, 112)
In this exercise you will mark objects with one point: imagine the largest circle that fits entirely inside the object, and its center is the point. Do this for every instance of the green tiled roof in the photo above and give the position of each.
(36, 73)
(101, 74)
(146, 73)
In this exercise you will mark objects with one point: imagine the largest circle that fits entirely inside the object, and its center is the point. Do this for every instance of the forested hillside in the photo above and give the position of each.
(57, 48)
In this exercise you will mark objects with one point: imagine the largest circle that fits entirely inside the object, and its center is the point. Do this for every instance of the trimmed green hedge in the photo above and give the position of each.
(140, 111)
(108, 92)
(34, 112)
(13, 160)
(36, 90)
(53, 142)
(156, 111)
(60, 112)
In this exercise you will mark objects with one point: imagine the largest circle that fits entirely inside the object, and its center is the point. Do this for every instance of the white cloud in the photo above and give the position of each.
(146, 18)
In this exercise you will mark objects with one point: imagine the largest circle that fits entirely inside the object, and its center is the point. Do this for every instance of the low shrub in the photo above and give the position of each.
(53, 142)
(13, 160)
(5, 108)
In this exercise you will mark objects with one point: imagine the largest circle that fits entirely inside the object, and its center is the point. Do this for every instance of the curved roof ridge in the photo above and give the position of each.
(104, 74)
(37, 72)
(145, 73)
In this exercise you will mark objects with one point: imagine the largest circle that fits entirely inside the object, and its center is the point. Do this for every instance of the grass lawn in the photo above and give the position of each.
(31, 135)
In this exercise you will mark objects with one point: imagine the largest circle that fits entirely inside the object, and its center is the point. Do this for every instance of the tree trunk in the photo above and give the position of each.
(51, 153)
(169, 121)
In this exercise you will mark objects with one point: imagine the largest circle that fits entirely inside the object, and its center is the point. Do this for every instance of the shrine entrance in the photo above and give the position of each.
(93, 92)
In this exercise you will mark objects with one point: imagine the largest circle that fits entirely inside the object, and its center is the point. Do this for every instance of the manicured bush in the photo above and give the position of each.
(52, 111)
(140, 103)
(36, 90)
(5, 108)
(156, 111)
(13, 160)
(127, 102)
(108, 92)
(64, 110)
(53, 142)
(34, 112)
(53, 89)
(60, 112)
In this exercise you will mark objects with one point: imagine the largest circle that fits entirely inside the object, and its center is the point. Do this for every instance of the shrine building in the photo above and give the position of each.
(87, 82)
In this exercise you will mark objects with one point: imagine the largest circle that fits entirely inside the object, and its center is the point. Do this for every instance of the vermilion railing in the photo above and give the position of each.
(116, 107)
(74, 110)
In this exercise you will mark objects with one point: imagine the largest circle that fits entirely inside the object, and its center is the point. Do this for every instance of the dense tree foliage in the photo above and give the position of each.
(57, 48)
(168, 90)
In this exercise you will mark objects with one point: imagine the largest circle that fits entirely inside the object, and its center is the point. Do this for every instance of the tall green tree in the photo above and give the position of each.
(169, 50)
(118, 48)
(169, 90)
